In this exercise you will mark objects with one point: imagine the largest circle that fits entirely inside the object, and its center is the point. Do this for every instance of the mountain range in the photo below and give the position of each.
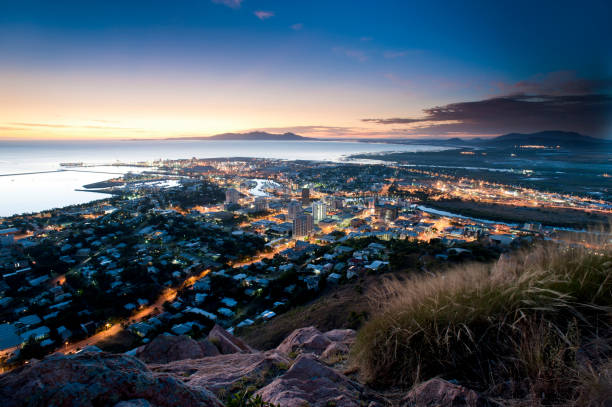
(563, 139)
(256, 136)
(551, 138)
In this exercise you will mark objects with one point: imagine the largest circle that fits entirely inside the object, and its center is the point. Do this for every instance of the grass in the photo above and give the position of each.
(339, 307)
(533, 326)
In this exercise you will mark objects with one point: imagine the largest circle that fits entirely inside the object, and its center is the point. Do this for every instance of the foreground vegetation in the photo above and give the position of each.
(534, 327)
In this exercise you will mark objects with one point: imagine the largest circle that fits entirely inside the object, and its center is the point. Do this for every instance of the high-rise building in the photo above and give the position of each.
(387, 212)
(261, 204)
(231, 196)
(336, 203)
(303, 225)
(319, 211)
(294, 209)
(305, 196)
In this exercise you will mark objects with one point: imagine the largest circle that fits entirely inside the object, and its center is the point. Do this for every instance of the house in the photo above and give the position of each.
(226, 312)
(267, 314)
(246, 322)
(37, 334)
(376, 265)
(334, 278)
(47, 343)
(199, 311)
(376, 247)
(28, 321)
(141, 329)
(184, 328)
(37, 281)
(64, 333)
(503, 239)
(9, 339)
(229, 302)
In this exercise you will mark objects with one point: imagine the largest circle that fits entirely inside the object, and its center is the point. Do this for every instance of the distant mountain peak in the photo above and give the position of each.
(259, 135)
(563, 139)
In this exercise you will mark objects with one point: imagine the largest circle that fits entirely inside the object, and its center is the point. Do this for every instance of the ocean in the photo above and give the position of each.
(26, 187)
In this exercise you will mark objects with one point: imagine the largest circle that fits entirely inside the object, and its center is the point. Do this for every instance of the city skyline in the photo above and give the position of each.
(341, 70)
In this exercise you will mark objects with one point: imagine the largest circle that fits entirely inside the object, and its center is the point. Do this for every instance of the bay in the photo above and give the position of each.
(26, 186)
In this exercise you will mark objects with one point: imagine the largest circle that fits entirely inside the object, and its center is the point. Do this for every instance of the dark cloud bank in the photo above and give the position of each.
(573, 105)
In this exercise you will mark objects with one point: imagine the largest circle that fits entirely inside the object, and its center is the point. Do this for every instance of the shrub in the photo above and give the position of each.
(516, 327)
(246, 399)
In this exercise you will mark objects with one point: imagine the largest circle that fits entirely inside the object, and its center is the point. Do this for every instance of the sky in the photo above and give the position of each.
(384, 69)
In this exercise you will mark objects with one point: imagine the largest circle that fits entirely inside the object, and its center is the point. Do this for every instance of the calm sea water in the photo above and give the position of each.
(35, 192)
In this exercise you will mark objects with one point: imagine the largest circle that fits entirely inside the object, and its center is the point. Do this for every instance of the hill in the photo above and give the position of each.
(531, 328)
(564, 139)
(258, 135)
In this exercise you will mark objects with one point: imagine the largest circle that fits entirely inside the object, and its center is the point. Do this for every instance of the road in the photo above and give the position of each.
(169, 294)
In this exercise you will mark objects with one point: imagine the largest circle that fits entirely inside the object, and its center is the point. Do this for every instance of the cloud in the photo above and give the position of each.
(356, 54)
(70, 126)
(297, 27)
(229, 3)
(587, 114)
(554, 101)
(556, 84)
(398, 80)
(395, 54)
(263, 15)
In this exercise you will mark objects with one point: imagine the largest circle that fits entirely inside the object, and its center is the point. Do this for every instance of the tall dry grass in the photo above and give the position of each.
(517, 328)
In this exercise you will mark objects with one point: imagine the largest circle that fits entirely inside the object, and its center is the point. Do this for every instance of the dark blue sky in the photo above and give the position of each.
(205, 66)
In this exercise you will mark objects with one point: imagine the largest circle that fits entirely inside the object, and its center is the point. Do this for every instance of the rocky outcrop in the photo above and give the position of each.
(133, 403)
(96, 379)
(335, 352)
(345, 336)
(225, 374)
(168, 348)
(309, 382)
(311, 340)
(441, 393)
(185, 372)
(226, 342)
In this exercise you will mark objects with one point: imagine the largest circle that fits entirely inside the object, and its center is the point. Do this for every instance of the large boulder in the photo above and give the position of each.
(308, 340)
(133, 403)
(311, 340)
(226, 342)
(96, 379)
(441, 393)
(309, 382)
(168, 348)
(226, 374)
(344, 336)
(335, 352)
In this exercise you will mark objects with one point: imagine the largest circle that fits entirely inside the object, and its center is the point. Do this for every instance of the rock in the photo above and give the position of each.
(345, 336)
(226, 342)
(441, 393)
(133, 403)
(90, 348)
(168, 348)
(308, 339)
(311, 383)
(208, 349)
(311, 340)
(334, 352)
(95, 378)
(224, 374)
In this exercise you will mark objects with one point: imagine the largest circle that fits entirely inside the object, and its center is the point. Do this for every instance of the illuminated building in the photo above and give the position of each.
(294, 209)
(319, 211)
(303, 225)
(305, 196)
(231, 196)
